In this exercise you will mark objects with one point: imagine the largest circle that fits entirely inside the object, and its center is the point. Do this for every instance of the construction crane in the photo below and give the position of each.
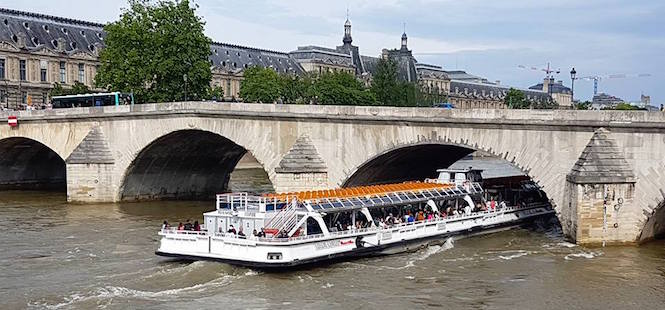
(549, 72)
(597, 78)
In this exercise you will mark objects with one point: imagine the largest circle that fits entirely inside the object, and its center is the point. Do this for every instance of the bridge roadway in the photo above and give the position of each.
(187, 150)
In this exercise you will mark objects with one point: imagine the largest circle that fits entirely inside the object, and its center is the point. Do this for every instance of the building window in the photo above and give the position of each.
(227, 91)
(24, 97)
(43, 66)
(81, 73)
(2, 69)
(21, 70)
(63, 72)
(44, 98)
(3, 96)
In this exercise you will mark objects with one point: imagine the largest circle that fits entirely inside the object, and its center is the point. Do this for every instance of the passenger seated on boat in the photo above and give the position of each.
(180, 226)
(261, 233)
(165, 225)
(189, 226)
(282, 234)
(240, 233)
(410, 219)
(421, 216)
(197, 227)
(502, 205)
(467, 210)
(389, 219)
(254, 233)
(232, 230)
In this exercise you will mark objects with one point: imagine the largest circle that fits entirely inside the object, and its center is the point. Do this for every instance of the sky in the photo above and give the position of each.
(488, 38)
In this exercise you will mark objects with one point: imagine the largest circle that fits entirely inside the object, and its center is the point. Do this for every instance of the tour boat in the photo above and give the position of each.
(292, 229)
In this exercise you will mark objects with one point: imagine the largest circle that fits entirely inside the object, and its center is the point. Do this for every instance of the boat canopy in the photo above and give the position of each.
(352, 198)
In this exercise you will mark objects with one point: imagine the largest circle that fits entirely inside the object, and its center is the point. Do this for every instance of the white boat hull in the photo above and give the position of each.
(279, 253)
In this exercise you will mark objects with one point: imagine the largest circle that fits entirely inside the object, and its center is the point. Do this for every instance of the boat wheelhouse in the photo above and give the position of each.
(290, 229)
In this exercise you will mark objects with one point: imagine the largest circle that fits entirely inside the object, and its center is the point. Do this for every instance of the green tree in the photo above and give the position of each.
(296, 89)
(625, 106)
(341, 88)
(260, 85)
(515, 99)
(77, 88)
(158, 51)
(215, 93)
(385, 85)
(583, 105)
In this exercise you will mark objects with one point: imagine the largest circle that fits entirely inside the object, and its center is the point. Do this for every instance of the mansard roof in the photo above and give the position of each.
(555, 88)
(475, 90)
(34, 31)
(235, 58)
(431, 71)
(323, 55)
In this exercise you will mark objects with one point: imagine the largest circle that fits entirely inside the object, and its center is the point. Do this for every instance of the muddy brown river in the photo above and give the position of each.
(56, 255)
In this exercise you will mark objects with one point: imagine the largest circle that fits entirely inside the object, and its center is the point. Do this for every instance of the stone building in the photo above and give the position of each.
(561, 94)
(37, 51)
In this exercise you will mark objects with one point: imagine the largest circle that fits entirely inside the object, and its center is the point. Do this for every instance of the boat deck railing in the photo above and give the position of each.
(415, 225)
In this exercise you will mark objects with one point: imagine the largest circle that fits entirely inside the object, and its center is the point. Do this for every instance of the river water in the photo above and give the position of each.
(61, 256)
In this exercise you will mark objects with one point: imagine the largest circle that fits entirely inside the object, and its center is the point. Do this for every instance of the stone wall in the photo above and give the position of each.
(91, 183)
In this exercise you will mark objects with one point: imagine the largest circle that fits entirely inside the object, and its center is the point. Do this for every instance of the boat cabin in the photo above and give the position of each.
(459, 176)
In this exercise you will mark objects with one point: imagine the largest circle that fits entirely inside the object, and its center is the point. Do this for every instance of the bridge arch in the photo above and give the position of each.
(188, 164)
(412, 161)
(26, 163)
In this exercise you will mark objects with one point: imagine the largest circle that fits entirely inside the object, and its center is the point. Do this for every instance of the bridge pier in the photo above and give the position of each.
(598, 202)
(301, 169)
(91, 170)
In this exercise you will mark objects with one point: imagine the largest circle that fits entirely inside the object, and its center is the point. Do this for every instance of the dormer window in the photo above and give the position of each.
(6, 22)
(26, 25)
(73, 45)
(234, 65)
(45, 27)
(215, 51)
(238, 54)
(223, 63)
(14, 38)
(91, 47)
(54, 43)
(35, 41)
(83, 33)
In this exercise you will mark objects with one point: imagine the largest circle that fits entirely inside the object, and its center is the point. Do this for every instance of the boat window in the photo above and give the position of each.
(274, 255)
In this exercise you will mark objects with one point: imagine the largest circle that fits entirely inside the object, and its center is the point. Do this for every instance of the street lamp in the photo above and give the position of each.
(184, 78)
(573, 77)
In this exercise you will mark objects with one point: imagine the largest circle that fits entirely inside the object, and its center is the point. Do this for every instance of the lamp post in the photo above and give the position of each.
(184, 78)
(573, 77)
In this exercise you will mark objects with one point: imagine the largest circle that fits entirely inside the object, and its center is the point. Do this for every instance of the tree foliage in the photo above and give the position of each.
(341, 88)
(515, 99)
(585, 105)
(158, 51)
(77, 89)
(385, 85)
(260, 85)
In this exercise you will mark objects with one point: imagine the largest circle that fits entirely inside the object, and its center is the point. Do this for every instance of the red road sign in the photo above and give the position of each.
(12, 121)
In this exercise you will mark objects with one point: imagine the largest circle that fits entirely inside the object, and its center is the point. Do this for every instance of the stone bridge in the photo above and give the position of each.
(603, 170)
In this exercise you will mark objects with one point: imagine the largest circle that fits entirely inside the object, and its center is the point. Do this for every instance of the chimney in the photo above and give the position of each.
(546, 85)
